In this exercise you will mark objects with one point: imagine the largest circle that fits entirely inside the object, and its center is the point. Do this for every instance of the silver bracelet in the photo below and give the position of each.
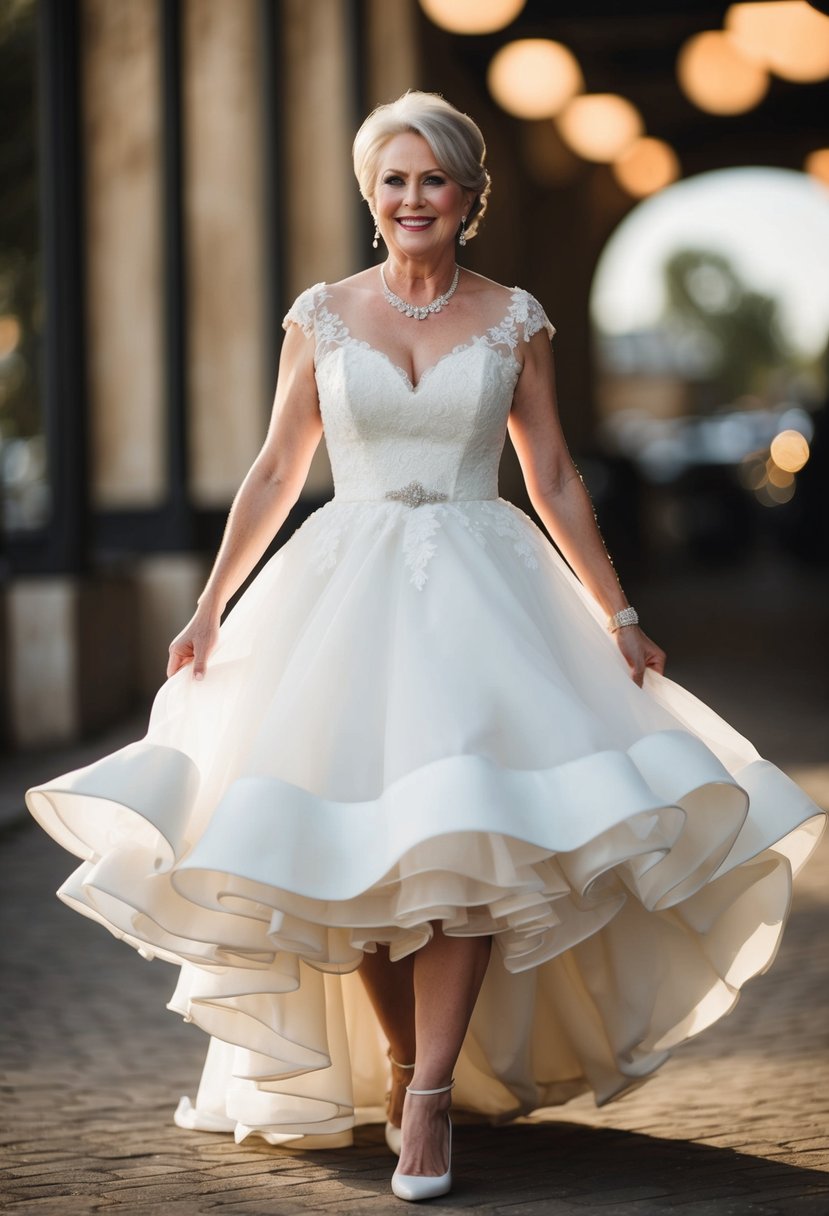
(625, 616)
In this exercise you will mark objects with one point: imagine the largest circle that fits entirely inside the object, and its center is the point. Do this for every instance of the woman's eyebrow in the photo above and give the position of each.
(402, 172)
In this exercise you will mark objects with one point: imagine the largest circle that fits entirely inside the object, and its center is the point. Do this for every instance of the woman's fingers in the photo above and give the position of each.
(193, 645)
(657, 660)
(179, 657)
(199, 662)
(203, 642)
(639, 653)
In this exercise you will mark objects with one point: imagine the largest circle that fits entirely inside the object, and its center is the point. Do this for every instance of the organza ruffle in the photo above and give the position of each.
(416, 716)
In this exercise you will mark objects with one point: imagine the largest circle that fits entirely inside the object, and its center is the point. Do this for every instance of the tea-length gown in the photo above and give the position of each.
(415, 713)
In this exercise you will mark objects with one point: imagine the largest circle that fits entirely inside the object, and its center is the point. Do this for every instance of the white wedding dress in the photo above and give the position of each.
(415, 713)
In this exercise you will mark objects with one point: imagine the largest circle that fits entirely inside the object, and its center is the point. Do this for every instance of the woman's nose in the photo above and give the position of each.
(414, 194)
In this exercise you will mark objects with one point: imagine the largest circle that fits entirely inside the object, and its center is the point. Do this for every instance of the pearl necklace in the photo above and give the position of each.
(419, 311)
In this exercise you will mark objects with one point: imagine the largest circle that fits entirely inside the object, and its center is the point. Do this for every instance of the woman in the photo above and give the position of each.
(419, 734)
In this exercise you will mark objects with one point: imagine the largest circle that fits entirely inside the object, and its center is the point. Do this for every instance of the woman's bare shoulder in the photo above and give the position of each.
(355, 286)
(487, 290)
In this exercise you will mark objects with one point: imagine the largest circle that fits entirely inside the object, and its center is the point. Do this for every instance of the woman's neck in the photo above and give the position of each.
(420, 279)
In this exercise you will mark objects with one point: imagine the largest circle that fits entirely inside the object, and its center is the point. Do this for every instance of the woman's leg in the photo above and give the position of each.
(390, 987)
(448, 973)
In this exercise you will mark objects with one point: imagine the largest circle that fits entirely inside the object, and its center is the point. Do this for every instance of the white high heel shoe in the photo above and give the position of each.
(393, 1134)
(415, 1187)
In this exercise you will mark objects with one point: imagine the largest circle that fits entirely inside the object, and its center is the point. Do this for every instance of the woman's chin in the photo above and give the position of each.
(418, 244)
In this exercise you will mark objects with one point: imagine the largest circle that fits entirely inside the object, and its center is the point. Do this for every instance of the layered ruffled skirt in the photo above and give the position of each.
(416, 715)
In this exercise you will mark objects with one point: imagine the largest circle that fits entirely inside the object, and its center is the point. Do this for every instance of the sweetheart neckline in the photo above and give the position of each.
(475, 340)
(359, 344)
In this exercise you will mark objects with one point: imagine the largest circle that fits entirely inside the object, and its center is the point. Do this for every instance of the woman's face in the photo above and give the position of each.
(418, 207)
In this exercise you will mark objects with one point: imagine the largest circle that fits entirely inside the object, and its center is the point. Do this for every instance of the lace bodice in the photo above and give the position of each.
(435, 441)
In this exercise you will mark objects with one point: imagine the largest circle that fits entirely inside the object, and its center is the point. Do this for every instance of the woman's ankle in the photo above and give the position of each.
(426, 1081)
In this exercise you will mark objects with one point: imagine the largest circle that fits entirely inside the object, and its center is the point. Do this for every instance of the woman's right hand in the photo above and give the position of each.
(194, 644)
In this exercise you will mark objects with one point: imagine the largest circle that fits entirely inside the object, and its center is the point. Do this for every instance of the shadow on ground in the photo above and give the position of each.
(521, 1170)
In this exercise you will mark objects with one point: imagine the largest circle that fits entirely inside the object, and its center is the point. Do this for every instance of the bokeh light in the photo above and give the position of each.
(790, 451)
(789, 37)
(10, 334)
(777, 476)
(753, 472)
(472, 16)
(600, 126)
(770, 485)
(534, 77)
(646, 166)
(817, 165)
(717, 77)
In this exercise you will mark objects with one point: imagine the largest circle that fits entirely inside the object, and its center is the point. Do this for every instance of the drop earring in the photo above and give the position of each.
(376, 241)
(462, 237)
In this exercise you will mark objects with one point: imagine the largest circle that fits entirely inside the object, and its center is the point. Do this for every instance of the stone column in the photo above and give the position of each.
(320, 120)
(392, 50)
(71, 652)
(224, 243)
(71, 668)
(125, 318)
(321, 200)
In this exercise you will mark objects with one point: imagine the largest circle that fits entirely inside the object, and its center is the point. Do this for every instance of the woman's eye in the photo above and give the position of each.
(393, 180)
(435, 180)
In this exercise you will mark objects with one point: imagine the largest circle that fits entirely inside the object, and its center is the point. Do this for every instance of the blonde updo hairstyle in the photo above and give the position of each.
(455, 140)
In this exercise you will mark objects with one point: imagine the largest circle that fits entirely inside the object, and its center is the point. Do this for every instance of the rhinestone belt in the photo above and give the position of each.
(415, 495)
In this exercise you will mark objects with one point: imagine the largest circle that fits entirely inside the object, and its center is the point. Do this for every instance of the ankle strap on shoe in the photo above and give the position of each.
(444, 1089)
(397, 1063)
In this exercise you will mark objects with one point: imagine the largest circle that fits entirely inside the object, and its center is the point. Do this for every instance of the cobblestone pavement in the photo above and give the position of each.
(736, 1124)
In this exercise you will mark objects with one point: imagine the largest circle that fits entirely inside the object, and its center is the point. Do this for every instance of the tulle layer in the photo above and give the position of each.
(416, 715)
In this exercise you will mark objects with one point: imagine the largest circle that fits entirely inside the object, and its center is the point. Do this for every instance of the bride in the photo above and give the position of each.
(418, 734)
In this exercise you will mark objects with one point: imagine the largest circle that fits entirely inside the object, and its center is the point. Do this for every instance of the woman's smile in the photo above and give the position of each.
(415, 223)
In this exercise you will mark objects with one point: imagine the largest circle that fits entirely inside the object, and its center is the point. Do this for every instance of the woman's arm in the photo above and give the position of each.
(269, 490)
(558, 494)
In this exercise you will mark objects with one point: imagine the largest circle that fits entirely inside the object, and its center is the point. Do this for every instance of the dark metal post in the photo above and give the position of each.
(178, 516)
(62, 241)
(272, 152)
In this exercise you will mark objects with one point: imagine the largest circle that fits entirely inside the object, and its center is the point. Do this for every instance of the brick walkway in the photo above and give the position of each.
(736, 1124)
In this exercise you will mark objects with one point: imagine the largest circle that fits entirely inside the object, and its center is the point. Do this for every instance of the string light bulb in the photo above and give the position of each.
(600, 126)
(717, 76)
(534, 77)
(472, 16)
(647, 166)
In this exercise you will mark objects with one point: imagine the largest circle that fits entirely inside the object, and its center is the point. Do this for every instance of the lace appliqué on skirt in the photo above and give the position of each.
(420, 524)
(505, 523)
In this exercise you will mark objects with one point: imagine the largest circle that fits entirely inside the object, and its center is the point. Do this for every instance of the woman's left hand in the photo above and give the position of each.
(639, 652)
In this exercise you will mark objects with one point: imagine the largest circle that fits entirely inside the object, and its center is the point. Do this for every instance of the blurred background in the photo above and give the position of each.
(174, 172)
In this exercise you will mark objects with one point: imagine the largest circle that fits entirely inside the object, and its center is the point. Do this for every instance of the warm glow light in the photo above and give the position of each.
(717, 77)
(817, 164)
(534, 77)
(753, 472)
(789, 451)
(600, 126)
(774, 496)
(472, 16)
(646, 166)
(788, 37)
(776, 476)
(9, 335)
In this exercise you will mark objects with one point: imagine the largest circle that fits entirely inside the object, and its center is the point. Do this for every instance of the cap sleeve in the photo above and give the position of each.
(529, 316)
(303, 311)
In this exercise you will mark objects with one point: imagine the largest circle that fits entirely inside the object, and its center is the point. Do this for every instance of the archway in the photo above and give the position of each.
(710, 314)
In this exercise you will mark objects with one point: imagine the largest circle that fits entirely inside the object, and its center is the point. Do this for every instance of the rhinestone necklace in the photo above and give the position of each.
(419, 311)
